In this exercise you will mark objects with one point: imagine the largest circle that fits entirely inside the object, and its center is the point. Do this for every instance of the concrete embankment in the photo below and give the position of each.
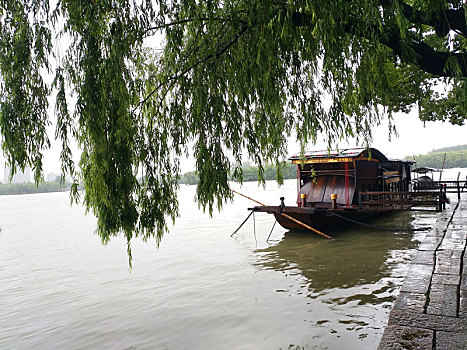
(431, 309)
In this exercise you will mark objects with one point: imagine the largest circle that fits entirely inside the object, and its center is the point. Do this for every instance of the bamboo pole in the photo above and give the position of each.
(244, 195)
(287, 216)
(306, 226)
(442, 168)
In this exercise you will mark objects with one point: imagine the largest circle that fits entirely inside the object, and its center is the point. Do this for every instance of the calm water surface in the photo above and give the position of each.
(60, 288)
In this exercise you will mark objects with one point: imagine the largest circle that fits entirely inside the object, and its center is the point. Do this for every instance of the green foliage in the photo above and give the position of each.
(232, 77)
(24, 49)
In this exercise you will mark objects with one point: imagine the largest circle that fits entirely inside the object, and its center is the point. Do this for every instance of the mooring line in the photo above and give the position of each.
(254, 229)
(376, 227)
(239, 227)
(270, 233)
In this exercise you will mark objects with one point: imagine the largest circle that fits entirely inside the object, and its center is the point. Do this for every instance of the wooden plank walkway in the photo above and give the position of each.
(431, 309)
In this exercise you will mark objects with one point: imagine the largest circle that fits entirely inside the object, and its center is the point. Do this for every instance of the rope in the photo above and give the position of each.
(254, 228)
(239, 227)
(376, 227)
(271, 230)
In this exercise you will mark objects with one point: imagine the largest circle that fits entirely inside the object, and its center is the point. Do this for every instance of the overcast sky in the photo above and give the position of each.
(414, 137)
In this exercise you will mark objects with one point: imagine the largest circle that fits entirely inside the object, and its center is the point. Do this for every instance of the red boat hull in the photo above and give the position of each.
(321, 219)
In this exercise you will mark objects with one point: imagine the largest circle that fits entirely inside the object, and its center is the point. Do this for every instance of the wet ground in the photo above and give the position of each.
(431, 309)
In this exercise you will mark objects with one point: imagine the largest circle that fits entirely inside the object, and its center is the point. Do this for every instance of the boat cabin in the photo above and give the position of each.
(422, 181)
(346, 173)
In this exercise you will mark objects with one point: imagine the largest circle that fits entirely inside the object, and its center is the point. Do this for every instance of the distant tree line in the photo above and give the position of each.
(452, 148)
(30, 187)
(456, 157)
(250, 173)
(189, 178)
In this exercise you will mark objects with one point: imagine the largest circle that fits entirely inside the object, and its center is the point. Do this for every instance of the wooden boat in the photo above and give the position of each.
(341, 187)
(422, 181)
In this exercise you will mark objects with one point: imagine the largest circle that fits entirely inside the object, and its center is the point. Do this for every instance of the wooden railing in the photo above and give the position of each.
(403, 200)
(449, 186)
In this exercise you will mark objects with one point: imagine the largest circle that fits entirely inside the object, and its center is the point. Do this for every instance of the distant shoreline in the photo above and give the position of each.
(456, 157)
(21, 193)
(31, 188)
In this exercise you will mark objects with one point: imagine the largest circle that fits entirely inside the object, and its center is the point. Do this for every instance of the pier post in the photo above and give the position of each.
(440, 198)
(458, 187)
(445, 196)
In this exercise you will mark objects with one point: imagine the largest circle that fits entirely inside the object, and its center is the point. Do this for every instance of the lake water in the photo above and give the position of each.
(60, 288)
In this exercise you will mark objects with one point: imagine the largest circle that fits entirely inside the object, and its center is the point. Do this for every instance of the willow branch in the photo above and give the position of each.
(188, 20)
(442, 21)
(426, 58)
(215, 55)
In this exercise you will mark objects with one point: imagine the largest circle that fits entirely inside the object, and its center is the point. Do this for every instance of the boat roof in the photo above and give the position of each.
(410, 161)
(341, 153)
(424, 170)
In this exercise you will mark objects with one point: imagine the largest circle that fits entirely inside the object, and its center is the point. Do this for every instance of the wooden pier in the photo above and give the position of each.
(431, 309)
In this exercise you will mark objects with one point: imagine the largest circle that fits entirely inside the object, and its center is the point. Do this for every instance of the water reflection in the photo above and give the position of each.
(356, 257)
(350, 282)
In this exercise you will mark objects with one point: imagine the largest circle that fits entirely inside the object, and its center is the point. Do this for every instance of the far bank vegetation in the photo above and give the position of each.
(250, 173)
(456, 157)
(30, 187)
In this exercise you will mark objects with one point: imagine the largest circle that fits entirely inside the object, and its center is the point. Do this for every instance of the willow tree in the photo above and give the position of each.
(138, 83)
